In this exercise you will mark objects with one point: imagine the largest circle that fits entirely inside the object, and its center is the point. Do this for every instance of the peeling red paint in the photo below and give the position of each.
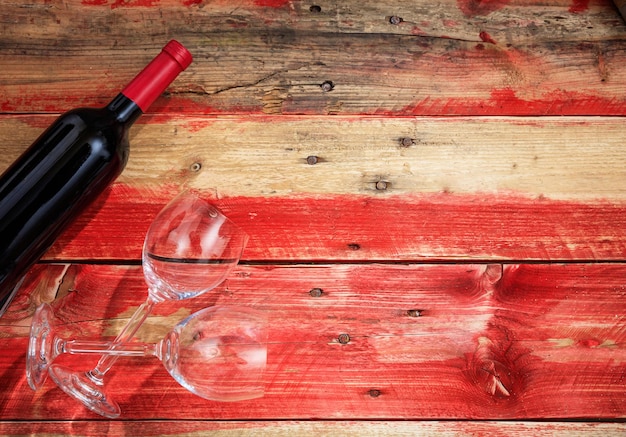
(500, 101)
(272, 3)
(485, 37)
(473, 8)
(122, 3)
(505, 101)
(579, 6)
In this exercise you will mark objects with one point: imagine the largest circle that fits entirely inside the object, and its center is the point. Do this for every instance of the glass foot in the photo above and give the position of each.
(40, 347)
(81, 387)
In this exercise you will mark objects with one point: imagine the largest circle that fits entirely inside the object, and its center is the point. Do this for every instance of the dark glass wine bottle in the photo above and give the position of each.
(68, 166)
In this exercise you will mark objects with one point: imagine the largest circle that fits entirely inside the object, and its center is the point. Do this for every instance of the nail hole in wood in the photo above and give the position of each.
(414, 313)
(395, 20)
(312, 160)
(316, 9)
(407, 142)
(381, 185)
(374, 393)
(316, 292)
(343, 338)
(327, 86)
(195, 167)
(354, 246)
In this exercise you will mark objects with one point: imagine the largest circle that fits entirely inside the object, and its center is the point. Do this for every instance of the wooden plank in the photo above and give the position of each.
(280, 70)
(483, 188)
(508, 22)
(310, 428)
(424, 77)
(501, 21)
(409, 228)
(573, 158)
(482, 342)
(438, 342)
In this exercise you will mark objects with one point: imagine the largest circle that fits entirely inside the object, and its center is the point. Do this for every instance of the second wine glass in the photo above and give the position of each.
(218, 353)
(189, 249)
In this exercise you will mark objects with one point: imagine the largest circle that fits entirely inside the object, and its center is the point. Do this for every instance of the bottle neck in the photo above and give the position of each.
(144, 89)
(126, 111)
(158, 74)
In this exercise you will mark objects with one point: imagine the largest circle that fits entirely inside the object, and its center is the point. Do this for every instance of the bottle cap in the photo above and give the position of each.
(179, 53)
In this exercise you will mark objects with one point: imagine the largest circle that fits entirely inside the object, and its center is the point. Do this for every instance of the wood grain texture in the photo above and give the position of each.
(398, 229)
(423, 77)
(485, 189)
(401, 159)
(425, 342)
(509, 22)
(309, 428)
(571, 158)
(254, 58)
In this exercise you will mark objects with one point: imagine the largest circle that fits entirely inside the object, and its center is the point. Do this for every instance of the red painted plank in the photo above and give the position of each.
(360, 228)
(527, 341)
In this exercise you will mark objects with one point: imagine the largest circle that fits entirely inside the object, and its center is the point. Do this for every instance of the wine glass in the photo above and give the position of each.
(218, 353)
(189, 249)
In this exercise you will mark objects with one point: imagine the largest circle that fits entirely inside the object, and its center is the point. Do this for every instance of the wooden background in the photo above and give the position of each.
(451, 175)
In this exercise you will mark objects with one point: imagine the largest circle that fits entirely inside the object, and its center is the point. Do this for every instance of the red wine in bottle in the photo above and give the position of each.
(69, 165)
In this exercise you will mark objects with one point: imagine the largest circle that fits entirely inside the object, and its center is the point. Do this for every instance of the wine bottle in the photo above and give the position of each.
(69, 165)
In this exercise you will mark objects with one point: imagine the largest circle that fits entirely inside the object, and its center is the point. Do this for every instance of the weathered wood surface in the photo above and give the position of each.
(316, 428)
(389, 75)
(425, 341)
(556, 20)
(453, 58)
(433, 137)
(441, 227)
(571, 158)
(490, 189)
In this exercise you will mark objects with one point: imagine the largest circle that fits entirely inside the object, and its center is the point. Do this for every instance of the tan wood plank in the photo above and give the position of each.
(504, 22)
(574, 158)
(425, 341)
(310, 428)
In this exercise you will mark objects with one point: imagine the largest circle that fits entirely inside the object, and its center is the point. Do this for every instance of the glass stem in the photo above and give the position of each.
(107, 348)
(107, 360)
